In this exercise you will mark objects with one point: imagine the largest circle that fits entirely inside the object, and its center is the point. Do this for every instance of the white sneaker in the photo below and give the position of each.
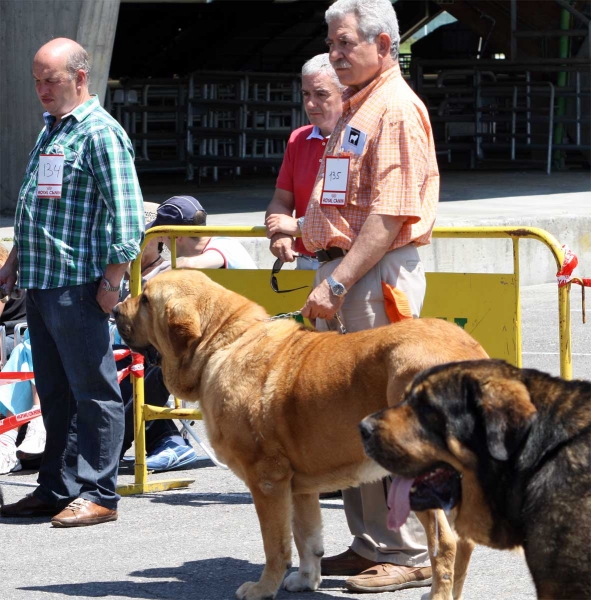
(8, 460)
(34, 443)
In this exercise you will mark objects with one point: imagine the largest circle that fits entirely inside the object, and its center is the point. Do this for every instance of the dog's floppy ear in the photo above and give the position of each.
(183, 326)
(508, 414)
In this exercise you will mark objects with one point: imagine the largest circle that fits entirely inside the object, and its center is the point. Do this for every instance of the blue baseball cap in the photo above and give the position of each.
(178, 210)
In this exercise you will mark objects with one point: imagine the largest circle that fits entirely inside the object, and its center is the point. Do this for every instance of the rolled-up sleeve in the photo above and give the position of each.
(397, 170)
(117, 182)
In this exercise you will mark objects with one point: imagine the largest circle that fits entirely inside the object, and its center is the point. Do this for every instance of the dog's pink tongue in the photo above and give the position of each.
(399, 502)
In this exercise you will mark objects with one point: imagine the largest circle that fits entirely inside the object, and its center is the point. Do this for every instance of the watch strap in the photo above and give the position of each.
(106, 285)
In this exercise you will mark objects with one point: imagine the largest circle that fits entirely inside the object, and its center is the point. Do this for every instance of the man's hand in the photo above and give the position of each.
(277, 223)
(107, 300)
(281, 226)
(374, 239)
(9, 271)
(282, 247)
(113, 274)
(7, 280)
(322, 303)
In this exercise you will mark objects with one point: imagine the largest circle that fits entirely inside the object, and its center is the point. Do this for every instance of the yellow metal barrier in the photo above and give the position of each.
(509, 348)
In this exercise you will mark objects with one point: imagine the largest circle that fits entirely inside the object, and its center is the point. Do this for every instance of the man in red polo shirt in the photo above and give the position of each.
(321, 92)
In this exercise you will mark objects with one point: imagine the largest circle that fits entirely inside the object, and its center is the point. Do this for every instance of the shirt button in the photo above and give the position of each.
(324, 143)
(319, 160)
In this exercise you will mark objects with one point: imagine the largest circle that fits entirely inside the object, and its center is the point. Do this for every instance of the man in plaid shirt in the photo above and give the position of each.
(79, 222)
(374, 202)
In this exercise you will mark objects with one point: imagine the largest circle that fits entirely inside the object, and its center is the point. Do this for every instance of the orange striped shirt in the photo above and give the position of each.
(395, 174)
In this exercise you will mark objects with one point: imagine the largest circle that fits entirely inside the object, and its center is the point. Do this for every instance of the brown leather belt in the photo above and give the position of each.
(329, 254)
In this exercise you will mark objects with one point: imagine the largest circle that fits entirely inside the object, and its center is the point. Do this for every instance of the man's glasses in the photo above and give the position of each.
(274, 286)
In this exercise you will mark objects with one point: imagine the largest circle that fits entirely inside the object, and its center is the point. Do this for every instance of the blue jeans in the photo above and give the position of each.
(81, 403)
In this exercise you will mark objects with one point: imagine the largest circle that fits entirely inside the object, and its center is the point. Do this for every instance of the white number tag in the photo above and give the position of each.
(336, 177)
(51, 173)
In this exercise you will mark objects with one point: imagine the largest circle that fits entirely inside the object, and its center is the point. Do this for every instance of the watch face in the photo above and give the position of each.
(338, 289)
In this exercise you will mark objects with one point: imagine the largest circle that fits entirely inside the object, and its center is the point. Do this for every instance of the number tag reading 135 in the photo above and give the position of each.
(51, 173)
(336, 177)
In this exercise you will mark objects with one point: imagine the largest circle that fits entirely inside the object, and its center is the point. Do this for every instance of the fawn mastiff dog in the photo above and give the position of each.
(510, 449)
(281, 403)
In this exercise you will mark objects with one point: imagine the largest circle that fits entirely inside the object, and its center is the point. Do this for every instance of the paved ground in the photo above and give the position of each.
(198, 544)
(203, 542)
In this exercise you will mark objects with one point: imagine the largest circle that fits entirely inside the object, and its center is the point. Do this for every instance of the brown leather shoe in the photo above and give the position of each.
(82, 512)
(386, 577)
(345, 563)
(27, 507)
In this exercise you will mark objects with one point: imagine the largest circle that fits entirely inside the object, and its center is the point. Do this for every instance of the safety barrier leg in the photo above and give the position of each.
(142, 485)
(517, 301)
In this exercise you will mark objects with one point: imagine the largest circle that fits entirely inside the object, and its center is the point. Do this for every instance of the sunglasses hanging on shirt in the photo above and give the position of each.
(274, 285)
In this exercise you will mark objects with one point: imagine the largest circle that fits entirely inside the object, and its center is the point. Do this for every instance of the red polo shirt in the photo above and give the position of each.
(297, 175)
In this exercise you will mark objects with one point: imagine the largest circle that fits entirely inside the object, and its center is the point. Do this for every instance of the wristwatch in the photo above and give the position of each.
(106, 285)
(301, 223)
(338, 289)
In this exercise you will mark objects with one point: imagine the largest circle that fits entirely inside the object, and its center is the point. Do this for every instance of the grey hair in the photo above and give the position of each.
(321, 64)
(373, 17)
(78, 61)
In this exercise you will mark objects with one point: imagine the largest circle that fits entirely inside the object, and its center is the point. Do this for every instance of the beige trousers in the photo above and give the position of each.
(366, 508)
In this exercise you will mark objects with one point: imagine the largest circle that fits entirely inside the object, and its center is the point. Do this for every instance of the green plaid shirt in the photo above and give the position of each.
(98, 220)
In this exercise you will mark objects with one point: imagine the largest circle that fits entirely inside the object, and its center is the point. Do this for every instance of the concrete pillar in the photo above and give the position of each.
(25, 25)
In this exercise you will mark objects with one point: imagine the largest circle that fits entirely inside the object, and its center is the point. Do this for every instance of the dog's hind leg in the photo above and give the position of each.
(272, 501)
(307, 531)
(463, 554)
(442, 552)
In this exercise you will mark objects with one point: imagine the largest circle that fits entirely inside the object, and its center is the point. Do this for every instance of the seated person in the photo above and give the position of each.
(321, 93)
(166, 449)
(200, 252)
(12, 311)
(16, 398)
(152, 261)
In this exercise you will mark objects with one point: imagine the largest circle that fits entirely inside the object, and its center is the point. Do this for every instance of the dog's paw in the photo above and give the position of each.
(301, 582)
(251, 590)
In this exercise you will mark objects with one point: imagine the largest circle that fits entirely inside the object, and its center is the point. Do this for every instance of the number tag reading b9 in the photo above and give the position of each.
(336, 177)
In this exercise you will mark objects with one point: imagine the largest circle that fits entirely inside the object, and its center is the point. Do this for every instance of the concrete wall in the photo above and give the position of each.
(537, 264)
(25, 25)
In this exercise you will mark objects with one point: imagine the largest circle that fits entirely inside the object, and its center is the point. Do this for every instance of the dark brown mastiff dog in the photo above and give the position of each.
(281, 403)
(510, 449)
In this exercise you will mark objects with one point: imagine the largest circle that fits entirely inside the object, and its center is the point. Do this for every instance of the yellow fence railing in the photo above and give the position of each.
(489, 309)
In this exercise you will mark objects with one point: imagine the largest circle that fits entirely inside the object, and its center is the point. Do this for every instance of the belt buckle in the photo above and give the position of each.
(322, 256)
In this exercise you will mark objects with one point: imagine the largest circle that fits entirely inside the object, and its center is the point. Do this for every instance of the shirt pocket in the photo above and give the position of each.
(72, 165)
(356, 195)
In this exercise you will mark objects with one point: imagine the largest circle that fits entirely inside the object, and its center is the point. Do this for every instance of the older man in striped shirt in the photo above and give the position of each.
(79, 222)
(374, 202)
